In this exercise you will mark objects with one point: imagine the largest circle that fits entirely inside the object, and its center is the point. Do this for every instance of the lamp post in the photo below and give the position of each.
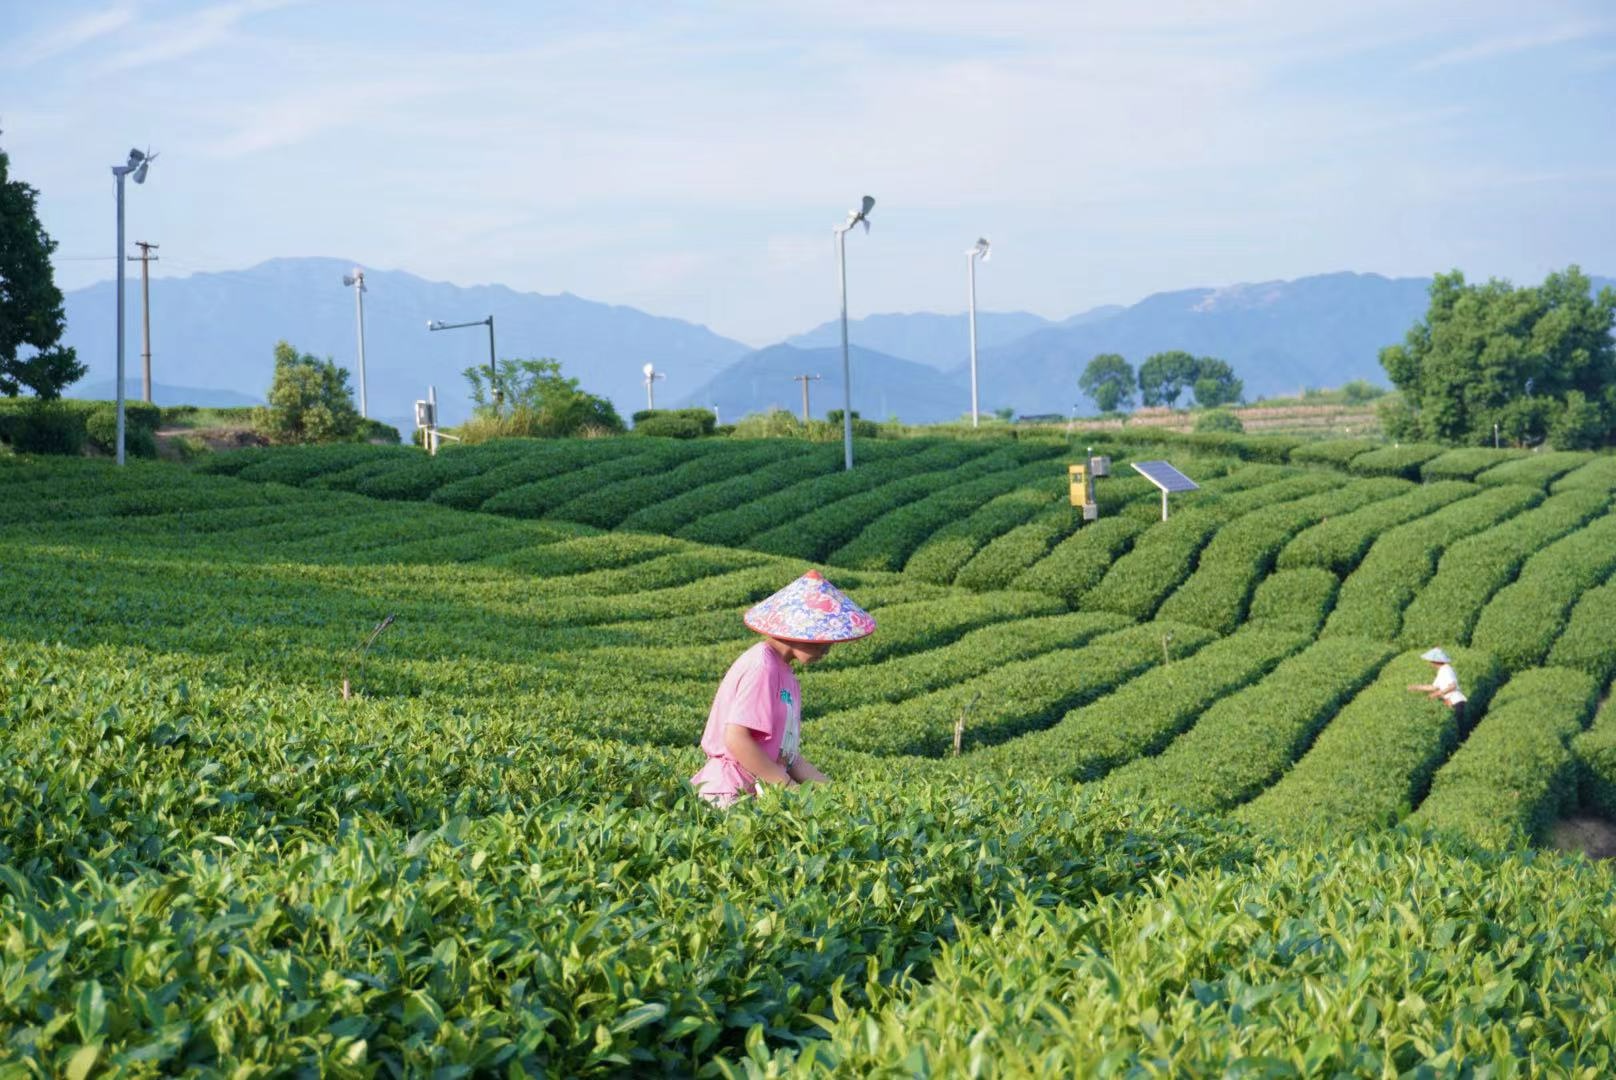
(357, 281)
(651, 376)
(980, 250)
(494, 385)
(854, 217)
(138, 164)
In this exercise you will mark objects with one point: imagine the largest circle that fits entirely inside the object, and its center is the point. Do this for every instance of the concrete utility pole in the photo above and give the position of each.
(143, 259)
(805, 380)
(356, 281)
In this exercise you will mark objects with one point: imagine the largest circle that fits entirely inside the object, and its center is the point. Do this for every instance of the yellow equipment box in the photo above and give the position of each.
(1079, 476)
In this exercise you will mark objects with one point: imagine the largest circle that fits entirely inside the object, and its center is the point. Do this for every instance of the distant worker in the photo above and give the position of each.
(754, 732)
(1445, 684)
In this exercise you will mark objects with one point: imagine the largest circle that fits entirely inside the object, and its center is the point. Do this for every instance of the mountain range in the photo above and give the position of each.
(214, 334)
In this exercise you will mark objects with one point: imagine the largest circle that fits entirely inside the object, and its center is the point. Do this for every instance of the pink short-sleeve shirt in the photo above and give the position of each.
(758, 692)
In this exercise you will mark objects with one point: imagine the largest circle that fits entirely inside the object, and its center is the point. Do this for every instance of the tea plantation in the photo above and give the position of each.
(1197, 824)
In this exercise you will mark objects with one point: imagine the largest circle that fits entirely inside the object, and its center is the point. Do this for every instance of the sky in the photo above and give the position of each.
(692, 159)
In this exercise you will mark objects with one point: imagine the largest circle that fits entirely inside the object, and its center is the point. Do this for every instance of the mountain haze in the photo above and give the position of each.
(942, 341)
(217, 331)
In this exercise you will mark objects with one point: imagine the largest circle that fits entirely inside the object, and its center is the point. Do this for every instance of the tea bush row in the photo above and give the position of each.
(1338, 544)
(1519, 625)
(1465, 462)
(1539, 469)
(1294, 600)
(1515, 775)
(1404, 461)
(1078, 563)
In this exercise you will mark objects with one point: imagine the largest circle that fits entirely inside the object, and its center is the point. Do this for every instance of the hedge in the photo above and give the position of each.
(940, 558)
(1243, 743)
(1466, 462)
(548, 458)
(802, 462)
(1520, 624)
(1011, 700)
(1143, 715)
(1588, 642)
(1077, 564)
(1595, 753)
(1540, 468)
(541, 498)
(422, 474)
(1404, 461)
(1598, 475)
(675, 423)
(1337, 452)
(1475, 568)
(609, 505)
(1216, 594)
(64, 425)
(1004, 558)
(1375, 760)
(1294, 600)
(1372, 600)
(1338, 543)
(1515, 775)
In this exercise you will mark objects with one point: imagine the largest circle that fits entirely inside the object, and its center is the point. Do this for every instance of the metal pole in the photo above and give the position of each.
(847, 373)
(650, 398)
(493, 369)
(970, 259)
(120, 176)
(145, 260)
(1164, 504)
(359, 310)
(804, 380)
(432, 432)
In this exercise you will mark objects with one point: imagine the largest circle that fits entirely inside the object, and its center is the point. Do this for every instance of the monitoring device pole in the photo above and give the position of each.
(145, 257)
(805, 380)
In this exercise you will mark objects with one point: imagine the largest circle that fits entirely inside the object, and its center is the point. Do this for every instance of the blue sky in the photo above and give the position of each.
(691, 159)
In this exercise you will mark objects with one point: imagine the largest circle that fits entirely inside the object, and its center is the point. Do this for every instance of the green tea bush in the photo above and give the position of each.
(1294, 600)
(1595, 754)
(1587, 643)
(547, 459)
(1466, 462)
(1597, 475)
(1077, 564)
(1161, 558)
(1372, 600)
(1338, 544)
(1374, 761)
(675, 423)
(609, 504)
(1143, 715)
(1404, 461)
(1245, 741)
(1216, 594)
(1539, 469)
(540, 498)
(802, 461)
(1337, 452)
(942, 556)
(1515, 774)
(1474, 569)
(1004, 558)
(1520, 624)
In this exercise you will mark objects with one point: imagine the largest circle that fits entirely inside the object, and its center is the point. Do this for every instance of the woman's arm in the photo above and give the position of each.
(739, 741)
(803, 772)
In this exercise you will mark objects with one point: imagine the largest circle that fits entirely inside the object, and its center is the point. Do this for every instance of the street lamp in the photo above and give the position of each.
(494, 385)
(854, 217)
(978, 251)
(651, 376)
(138, 164)
(357, 281)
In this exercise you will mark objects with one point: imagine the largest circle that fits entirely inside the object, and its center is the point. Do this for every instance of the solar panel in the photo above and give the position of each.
(1165, 476)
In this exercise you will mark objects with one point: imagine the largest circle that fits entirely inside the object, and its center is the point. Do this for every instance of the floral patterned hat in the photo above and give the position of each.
(808, 611)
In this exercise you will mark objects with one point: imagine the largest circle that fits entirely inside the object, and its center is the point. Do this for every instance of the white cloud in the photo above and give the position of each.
(68, 36)
(1518, 41)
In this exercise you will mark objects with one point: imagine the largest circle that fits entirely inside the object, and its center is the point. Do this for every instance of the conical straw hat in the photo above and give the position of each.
(1436, 656)
(810, 610)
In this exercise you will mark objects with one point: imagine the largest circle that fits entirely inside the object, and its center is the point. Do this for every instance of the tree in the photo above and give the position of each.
(1218, 421)
(533, 398)
(1166, 375)
(1109, 381)
(1496, 354)
(31, 313)
(309, 400)
(1215, 383)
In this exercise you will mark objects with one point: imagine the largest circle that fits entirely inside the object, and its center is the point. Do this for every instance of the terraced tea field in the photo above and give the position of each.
(1197, 825)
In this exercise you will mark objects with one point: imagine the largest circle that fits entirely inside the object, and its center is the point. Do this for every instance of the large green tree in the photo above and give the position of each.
(309, 400)
(1537, 361)
(1166, 375)
(1109, 381)
(1215, 383)
(31, 316)
(532, 397)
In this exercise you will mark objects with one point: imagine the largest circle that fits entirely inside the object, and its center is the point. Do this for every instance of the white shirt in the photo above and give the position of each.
(1448, 682)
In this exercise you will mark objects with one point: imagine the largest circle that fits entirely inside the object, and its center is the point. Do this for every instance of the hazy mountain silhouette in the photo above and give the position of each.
(217, 331)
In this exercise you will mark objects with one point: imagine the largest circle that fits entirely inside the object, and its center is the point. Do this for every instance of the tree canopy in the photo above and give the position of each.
(309, 400)
(1537, 361)
(31, 315)
(1109, 381)
(533, 398)
(1166, 375)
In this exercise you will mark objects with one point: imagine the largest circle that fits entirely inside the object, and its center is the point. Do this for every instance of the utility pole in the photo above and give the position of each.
(143, 259)
(356, 281)
(805, 380)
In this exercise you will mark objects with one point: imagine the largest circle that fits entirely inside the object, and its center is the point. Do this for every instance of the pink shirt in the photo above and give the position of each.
(758, 692)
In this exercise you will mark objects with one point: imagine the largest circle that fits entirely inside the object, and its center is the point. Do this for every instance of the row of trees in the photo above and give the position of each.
(1162, 378)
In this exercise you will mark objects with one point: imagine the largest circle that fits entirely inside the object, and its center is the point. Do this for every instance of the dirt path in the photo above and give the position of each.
(1593, 836)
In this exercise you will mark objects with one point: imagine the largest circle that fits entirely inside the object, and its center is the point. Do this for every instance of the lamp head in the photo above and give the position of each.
(981, 249)
(139, 162)
(649, 369)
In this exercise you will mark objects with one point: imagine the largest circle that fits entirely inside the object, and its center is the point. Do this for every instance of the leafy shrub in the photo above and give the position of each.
(1375, 760)
(1218, 420)
(1078, 563)
(800, 461)
(1245, 741)
(1404, 461)
(1587, 643)
(1338, 543)
(1515, 774)
(1597, 475)
(675, 423)
(1475, 568)
(1294, 600)
(47, 428)
(309, 400)
(1466, 462)
(1538, 469)
(1337, 452)
(1520, 624)
(1595, 753)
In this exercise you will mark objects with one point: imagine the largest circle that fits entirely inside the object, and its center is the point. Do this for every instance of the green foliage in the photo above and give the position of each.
(1244, 742)
(1466, 463)
(1372, 601)
(1595, 753)
(1164, 376)
(1339, 542)
(531, 399)
(1519, 625)
(1586, 643)
(1108, 380)
(32, 319)
(1375, 760)
(1218, 420)
(1078, 563)
(46, 427)
(1215, 383)
(1476, 567)
(309, 400)
(1404, 460)
(675, 423)
(1540, 468)
(1494, 354)
(1294, 600)
(1337, 452)
(1515, 774)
